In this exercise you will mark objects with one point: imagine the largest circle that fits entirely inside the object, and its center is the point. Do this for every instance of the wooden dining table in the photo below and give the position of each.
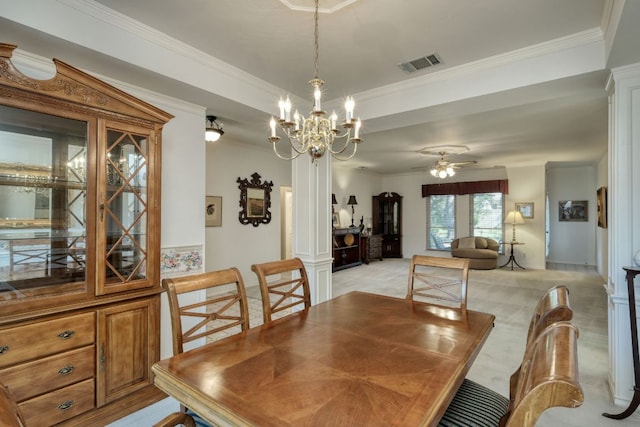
(359, 359)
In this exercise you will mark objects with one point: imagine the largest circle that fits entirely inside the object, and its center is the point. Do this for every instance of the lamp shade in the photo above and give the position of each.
(352, 200)
(514, 217)
(212, 134)
(333, 199)
(214, 130)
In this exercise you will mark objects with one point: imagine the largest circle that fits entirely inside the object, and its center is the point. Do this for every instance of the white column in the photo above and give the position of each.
(311, 188)
(624, 228)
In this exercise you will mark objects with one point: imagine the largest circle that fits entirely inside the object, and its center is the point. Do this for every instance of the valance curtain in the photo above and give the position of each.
(471, 187)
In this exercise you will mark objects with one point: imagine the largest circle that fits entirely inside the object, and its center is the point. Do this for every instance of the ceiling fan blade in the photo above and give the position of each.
(459, 164)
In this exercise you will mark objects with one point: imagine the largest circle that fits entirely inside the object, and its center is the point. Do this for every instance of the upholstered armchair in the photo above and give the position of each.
(482, 252)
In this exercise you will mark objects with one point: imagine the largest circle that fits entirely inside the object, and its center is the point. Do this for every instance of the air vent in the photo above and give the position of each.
(420, 63)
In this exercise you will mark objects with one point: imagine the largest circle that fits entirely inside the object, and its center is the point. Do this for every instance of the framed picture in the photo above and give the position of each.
(601, 201)
(525, 208)
(336, 220)
(255, 200)
(213, 213)
(573, 210)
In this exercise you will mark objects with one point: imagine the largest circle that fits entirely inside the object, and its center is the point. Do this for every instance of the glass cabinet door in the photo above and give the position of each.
(43, 199)
(124, 210)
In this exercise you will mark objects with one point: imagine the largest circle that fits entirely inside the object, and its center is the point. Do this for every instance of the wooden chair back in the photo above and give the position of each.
(548, 377)
(443, 279)
(176, 419)
(284, 285)
(552, 307)
(10, 415)
(224, 307)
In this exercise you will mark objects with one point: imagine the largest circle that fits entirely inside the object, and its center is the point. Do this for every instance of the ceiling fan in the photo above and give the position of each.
(444, 168)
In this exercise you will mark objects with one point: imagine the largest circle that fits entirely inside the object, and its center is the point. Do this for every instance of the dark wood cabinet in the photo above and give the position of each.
(387, 221)
(371, 248)
(346, 248)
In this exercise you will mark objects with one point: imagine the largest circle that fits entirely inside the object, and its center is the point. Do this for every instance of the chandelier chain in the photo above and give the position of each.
(316, 43)
(316, 133)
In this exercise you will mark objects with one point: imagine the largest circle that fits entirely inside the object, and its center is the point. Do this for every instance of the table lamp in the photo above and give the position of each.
(514, 217)
(352, 201)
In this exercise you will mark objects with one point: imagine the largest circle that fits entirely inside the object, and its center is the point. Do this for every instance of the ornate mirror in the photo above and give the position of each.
(255, 200)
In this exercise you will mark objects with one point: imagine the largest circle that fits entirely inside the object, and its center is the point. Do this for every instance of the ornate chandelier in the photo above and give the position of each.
(316, 134)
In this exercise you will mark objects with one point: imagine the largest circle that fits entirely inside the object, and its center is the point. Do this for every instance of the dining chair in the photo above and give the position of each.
(223, 306)
(552, 307)
(443, 279)
(284, 285)
(548, 378)
(10, 415)
(176, 419)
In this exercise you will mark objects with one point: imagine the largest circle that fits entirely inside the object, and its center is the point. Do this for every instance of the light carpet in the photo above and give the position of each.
(512, 296)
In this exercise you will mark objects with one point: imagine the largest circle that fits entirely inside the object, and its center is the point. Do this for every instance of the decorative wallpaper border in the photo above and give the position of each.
(181, 260)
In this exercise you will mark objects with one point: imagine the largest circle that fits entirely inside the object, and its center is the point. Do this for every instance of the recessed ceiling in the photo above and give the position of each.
(516, 86)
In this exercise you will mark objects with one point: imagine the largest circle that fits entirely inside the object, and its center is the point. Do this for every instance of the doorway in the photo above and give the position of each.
(286, 209)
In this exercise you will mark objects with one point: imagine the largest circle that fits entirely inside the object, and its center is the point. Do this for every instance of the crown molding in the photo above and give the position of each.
(158, 38)
(555, 46)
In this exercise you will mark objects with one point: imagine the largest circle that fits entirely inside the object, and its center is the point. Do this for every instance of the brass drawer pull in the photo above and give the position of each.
(4, 349)
(66, 405)
(66, 370)
(66, 334)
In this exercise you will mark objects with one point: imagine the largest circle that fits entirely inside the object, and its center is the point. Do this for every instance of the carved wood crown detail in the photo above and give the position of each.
(73, 86)
(58, 84)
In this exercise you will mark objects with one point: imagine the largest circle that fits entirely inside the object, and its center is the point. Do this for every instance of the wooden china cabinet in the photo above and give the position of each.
(387, 221)
(79, 246)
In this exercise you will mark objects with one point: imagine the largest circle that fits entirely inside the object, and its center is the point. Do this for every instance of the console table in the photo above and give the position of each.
(632, 272)
(346, 248)
(512, 258)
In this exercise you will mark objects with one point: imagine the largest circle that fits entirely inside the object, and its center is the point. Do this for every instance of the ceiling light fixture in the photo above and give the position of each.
(444, 168)
(214, 130)
(315, 134)
(442, 171)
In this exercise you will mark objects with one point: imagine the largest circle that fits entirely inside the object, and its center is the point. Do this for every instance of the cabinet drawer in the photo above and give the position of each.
(59, 405)
(28, 342)
(34, 378)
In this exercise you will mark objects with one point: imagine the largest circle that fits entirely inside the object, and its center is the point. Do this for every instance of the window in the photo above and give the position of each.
(486, 215)
(441, 221)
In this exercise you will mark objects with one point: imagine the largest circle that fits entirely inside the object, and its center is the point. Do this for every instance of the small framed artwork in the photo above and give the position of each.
(336, 220)
(601, 200)
(213, 213)
(573, 210)
(526, 209)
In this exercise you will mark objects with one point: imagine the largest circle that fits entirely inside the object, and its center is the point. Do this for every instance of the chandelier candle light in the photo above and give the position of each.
(316, 134)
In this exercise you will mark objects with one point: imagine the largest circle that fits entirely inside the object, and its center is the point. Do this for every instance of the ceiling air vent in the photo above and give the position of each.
(420, 63)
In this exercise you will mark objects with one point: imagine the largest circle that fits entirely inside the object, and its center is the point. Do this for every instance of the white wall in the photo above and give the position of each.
(572, 242)
(360, 183)
(527, 184)
(234, 244)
